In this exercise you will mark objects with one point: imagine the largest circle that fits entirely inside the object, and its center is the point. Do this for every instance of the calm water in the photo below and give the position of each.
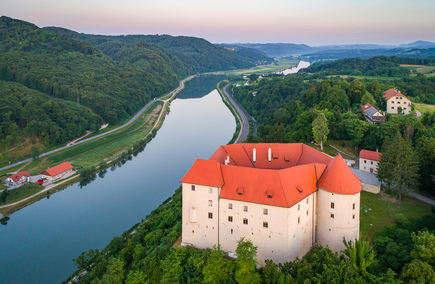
(40, 241)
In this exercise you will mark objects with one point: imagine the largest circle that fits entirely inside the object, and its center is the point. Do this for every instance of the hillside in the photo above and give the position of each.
(196, 54)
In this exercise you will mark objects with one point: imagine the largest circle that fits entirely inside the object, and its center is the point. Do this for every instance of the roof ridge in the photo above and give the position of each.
(302, 152)
(282, 187)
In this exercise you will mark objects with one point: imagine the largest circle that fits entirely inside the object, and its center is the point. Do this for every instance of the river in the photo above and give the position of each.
(39, 241)
(294, 70)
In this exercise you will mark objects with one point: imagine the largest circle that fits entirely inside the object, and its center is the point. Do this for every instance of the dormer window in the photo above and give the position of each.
(269, 193)
(240, 190)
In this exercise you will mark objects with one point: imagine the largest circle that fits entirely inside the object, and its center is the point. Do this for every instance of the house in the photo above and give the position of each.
(369, 160)
(396, 100)
(373, 115)
(17, 178)
(285, 198)
(57, 172)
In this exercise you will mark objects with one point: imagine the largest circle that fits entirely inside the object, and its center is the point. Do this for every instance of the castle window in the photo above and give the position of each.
(210, 203)
(299, 207)
(332, 216)
(230, 218)
(307, 212)
(353, 206)
(193, 187)
(245, 221)
(245, 208)
(231, 231)
(299, 220)
(308, 200)
(265, 225)
(265, 211)
(353, 216)
(210, 190)
(332, 205)
(230, 206)
(210, 215)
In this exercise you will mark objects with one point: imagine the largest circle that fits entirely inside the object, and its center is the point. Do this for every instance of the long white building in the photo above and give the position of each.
(283, 197)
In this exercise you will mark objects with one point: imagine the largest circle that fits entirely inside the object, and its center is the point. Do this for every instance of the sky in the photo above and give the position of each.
(311, 22)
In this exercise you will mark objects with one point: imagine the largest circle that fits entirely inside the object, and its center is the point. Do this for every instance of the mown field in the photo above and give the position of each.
(281, 64)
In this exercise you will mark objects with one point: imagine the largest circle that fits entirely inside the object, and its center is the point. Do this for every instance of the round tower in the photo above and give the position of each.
(338, 203)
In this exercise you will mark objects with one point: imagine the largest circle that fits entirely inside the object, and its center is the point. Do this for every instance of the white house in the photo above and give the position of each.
(17, 178)
(57, 172)
(283, 197)
(369, 160)
(396, 100)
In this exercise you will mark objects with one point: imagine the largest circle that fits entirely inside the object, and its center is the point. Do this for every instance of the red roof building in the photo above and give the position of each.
(17, 178)
(58, 171)
(264, 178)
(369, 160)
(396, 101)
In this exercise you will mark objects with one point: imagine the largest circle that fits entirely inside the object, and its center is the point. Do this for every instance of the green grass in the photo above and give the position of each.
(368, 77)
(382, 209)
(424, 108)
(23, 192)
(262, 69)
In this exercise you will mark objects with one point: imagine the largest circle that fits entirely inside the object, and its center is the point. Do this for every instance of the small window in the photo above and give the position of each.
(392, 107)
(245, 221)
(230, 206)
(398, 102)
(353, 206)
(210, 190)
(265, 225)
(299, 207)
(371, 162)
(332, 216)
(210, 203)
(245, 208)
(193, 188)
(365, 161)
(299, 220)
(353, 216)
(265, 211)
(332, 205)
(404, 108)
(230, 218)
(307, 212)
(392, 102)
(210, 215)
(308, 200)
(365, 168)
(397, 98)
(231, 231)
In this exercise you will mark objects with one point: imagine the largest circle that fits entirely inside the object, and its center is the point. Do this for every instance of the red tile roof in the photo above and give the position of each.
(338, 178)
(366, 106)
(388, 94)
(204, 172)
(54, 171)
(16, 177)
(370, 155)
(292, 174)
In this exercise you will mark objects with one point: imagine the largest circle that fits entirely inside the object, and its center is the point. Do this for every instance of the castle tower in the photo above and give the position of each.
(338, 203)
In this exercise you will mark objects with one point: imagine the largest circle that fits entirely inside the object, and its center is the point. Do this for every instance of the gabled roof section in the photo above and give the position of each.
(338, 178)
(388, 94)
(54, 171)
(16, 177)
(311, 155)
(366, 106)
(370, 155)
(204, 172)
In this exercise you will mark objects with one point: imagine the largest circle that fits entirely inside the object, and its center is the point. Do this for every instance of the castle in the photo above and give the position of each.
(283, 197)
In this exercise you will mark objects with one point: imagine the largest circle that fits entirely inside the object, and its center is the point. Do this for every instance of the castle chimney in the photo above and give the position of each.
(269, 155)
(254, 155)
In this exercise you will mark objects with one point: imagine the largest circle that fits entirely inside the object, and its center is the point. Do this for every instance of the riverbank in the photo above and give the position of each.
(99, 152)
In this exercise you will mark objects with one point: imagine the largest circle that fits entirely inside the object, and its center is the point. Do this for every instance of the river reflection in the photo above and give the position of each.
(40, 241)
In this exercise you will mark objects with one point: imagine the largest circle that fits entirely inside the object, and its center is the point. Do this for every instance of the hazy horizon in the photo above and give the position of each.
(311, 22)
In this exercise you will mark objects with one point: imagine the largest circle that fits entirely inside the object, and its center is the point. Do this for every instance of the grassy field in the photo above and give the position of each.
(23, 192)
(367, 77)
(421, 69)
(281, 64)
(378, 210)
(103, 149)
(424, 107)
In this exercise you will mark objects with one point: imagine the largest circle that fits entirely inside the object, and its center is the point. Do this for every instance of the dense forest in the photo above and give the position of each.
(105, 80)
(401, 253)
(375, 66)
(285, 109)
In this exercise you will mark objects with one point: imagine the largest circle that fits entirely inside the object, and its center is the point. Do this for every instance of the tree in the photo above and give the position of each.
(246, 263)
(367, 98)
(4, 195)
(399, 165)
(320, 129)
(217, 269)
(360, 254)
(417, 271)
(424, 249)
(114, 273)
(356, 91)
(356, 130)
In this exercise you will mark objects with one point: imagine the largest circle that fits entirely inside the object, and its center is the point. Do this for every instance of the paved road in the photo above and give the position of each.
(245, 117)
(105, 133)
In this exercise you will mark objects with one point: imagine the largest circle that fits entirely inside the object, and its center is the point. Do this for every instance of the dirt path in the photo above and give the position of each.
(74, 141)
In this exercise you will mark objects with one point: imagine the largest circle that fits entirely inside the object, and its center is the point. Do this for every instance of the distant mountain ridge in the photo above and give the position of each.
(416, 49)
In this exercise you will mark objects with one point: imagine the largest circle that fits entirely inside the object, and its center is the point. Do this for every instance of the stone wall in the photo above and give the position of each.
(371, 188)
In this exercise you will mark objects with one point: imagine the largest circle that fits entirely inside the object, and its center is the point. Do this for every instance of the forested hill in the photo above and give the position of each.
(376, 66)
(55, 68)
(197, 55)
